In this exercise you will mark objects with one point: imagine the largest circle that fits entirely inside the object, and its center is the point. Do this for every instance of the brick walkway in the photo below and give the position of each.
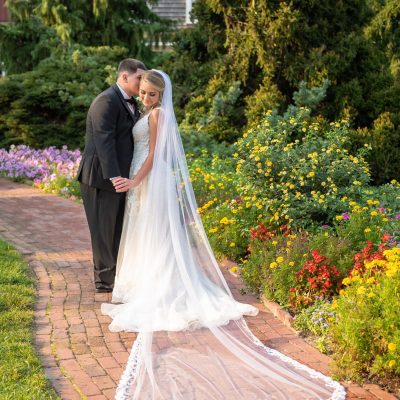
(82, 359)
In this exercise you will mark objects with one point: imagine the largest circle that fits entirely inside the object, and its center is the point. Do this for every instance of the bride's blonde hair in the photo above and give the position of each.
(155, 79)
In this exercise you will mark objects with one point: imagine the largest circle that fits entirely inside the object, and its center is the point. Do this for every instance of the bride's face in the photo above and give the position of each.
(148, 94)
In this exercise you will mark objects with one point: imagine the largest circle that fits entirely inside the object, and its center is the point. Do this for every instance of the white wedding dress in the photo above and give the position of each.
(169, 307)
(193, 342)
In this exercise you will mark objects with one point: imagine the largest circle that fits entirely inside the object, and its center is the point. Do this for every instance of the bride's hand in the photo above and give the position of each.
(123, 184)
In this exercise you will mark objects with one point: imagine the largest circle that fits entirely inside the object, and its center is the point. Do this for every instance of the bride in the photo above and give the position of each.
(193, 342)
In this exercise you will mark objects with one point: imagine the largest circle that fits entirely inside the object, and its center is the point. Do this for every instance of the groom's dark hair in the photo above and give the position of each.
(130, 65)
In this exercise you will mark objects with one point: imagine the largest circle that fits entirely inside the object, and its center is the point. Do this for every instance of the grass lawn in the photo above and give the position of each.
(21, 373)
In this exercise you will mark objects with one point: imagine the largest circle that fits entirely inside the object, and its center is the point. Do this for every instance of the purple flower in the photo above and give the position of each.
(346, 216)
(39, 165)
(325, 226)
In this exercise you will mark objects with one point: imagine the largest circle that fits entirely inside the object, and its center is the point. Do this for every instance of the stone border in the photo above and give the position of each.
(279, 312)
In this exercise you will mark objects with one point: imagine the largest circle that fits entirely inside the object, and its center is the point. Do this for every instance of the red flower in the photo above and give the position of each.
(317, 257)
(261, 233)
(316, 278)
(367, 254)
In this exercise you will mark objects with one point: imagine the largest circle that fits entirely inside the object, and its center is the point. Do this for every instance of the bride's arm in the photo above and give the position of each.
(123, 184)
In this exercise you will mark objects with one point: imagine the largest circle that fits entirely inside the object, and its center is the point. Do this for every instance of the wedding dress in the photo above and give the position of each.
(193, 342)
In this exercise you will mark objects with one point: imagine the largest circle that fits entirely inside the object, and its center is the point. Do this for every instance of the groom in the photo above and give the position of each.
(108, 155)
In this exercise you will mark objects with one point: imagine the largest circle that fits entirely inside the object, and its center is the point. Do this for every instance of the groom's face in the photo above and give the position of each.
(131, 82)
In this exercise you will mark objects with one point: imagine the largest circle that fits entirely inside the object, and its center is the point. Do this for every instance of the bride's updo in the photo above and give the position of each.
(155, 79)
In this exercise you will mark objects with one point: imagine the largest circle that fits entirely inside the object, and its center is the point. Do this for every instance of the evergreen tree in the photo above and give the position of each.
(274, 45)
(39, 26)
(271, 46)
(47, 106)
(25, 41)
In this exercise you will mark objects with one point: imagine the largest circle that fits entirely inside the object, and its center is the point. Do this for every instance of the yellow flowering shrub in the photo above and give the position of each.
(272, 265)
(299, 168)
(369, 222)
(213, 179)
(365, 333)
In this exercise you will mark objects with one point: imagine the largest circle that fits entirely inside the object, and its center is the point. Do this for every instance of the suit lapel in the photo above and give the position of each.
(134, 116)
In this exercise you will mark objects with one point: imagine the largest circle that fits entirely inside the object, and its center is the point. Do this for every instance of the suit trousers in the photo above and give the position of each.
(105, 214)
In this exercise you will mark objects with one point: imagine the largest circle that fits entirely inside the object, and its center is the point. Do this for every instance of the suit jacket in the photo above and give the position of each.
(109, 143)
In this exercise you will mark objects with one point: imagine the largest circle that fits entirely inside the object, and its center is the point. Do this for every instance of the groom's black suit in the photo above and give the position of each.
(108, 154)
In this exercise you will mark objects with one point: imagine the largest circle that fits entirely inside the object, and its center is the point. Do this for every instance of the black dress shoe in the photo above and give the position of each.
(102, 289)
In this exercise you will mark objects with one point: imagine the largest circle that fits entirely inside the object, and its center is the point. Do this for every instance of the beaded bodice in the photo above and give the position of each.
(141, 136)
(141, 140)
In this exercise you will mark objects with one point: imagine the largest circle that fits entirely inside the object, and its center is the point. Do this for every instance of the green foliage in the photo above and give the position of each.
(368, 223)
(128, 23)
(35, 42)
(310, 98)
(228, 237)
(48, 106)
(384, 27)
(299, 169)
(270, 47)
(364, 333)
(201, 144)
(336, 246)
(315, 319)
(271, 266)
(195, 58)
(21, 373)
(212, 178)
(40, 26)
(387, 195)
(62, 185)
(384, 140)
(217, 121)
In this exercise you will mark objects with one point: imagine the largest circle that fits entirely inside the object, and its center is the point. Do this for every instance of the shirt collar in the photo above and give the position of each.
(125, 96)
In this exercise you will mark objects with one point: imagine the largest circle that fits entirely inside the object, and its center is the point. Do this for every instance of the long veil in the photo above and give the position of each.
(208, 359)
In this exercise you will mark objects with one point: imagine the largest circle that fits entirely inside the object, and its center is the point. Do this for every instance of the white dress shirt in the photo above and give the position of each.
(131, 107)
(125, 96)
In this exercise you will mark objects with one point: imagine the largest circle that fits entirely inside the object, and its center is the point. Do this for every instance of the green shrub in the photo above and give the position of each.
(195, 142)
(212, 178)
(369, 222)
(272, 264)
(384, 140)
(218, 113)
(227, 236)
(364, 333)
(315, 321)
(339, 249)
(299, 169)
(62, 185)
(388, 195)
(48, 106)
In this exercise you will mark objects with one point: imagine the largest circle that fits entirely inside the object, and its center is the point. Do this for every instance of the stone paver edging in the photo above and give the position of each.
(82, 359)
